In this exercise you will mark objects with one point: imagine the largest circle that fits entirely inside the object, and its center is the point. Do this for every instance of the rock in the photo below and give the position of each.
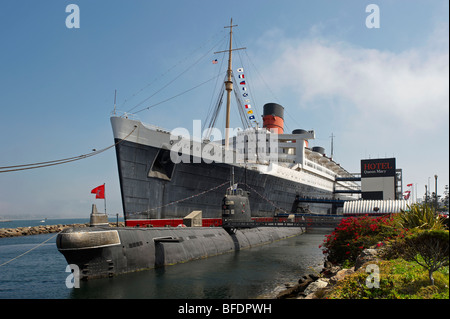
(314, 286)
(294, 291)
(330, 271)
(308, 278)
(34, 230)
(278, 290)
(42, 229)
(298, 289)
(327, 264)
(341, 275)
(366, 256)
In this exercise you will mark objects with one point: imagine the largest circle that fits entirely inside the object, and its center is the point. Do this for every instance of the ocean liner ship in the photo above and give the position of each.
(165, 175)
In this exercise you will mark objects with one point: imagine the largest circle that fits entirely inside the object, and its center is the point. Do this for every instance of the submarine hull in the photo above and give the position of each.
(105, 252)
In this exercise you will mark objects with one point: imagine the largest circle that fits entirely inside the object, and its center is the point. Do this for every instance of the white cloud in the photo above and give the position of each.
(410, 87)
(379, 103)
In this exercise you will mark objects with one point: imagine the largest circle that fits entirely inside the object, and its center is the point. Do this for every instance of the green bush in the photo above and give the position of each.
(430, 249)
(414, 241)
(420, 216)
(399, 279)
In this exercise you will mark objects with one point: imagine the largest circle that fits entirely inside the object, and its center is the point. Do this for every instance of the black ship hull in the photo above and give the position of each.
(153, 187)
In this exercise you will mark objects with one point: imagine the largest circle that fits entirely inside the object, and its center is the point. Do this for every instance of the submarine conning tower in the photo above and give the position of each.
(273, 117)
(236, 206)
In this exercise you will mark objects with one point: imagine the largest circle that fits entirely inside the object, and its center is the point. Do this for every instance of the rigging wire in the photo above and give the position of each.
(241, 112)
(212, 117)
(177, 95)
(14, 168)
(262, 78)
(270, 91)
(250, 90)
(213, 108)
(37, 246)
(177, 77)
(173, 67)
(248, 75)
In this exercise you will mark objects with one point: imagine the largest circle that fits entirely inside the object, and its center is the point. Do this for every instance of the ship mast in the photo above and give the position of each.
(229, 83)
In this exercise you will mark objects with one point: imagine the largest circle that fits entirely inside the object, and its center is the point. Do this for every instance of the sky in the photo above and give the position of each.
(381, 91)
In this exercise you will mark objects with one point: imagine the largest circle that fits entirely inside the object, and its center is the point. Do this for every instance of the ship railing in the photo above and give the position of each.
(348, 187)
(125, 115)
(134, 117)
(155, 128)
(235, 191)
(317, 168)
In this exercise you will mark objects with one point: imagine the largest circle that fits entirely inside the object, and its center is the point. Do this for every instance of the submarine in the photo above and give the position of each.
(102, 251)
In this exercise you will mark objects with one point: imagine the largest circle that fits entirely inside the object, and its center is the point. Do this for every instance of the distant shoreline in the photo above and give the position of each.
(43, 229)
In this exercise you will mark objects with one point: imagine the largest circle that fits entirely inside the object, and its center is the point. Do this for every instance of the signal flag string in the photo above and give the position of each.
(6, 169)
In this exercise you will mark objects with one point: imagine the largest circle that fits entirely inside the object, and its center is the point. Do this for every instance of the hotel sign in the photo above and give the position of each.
(380, 167)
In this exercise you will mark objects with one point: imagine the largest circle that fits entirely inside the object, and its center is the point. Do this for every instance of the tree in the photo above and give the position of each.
(429, 249)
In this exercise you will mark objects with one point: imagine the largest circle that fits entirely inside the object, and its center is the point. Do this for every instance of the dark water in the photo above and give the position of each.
(38, 274)
(246, 274)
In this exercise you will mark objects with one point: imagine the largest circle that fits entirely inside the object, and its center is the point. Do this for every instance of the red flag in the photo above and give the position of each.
(99, 191)
(409, 185)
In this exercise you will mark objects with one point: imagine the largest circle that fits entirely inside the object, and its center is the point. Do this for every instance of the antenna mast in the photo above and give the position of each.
(115, 93)
(229, 82)
(332, 136)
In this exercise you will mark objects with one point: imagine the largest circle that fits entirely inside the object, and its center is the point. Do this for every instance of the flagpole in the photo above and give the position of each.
(104, 197)
(229, 83)
(416, 193)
